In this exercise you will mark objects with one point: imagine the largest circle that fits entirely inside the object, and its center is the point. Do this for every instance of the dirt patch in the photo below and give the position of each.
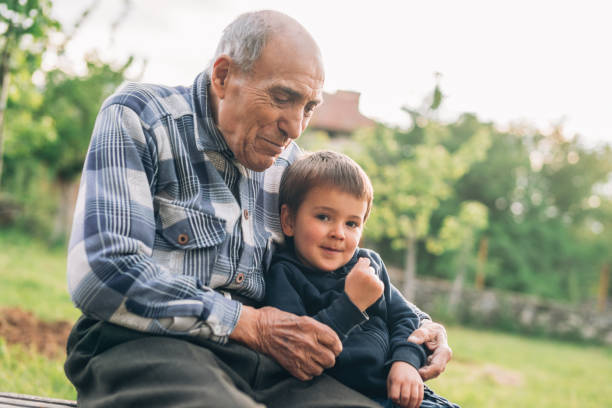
(18, 326)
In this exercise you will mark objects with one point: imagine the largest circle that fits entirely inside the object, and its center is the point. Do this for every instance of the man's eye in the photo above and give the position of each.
(281, 99)
(309, 109)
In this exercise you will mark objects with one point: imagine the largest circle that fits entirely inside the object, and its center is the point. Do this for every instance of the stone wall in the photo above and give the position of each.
(515, 311)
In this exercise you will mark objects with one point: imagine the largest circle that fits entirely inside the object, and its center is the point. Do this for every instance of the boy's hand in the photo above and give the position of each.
(362, 285)
(404, 385)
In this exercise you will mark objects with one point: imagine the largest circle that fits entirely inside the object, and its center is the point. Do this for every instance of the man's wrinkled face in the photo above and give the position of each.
(260, 112)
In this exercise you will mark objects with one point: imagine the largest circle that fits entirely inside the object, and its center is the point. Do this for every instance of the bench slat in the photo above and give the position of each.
(8, 399)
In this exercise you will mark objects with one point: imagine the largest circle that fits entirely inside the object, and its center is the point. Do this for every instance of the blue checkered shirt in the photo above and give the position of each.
(167, 224)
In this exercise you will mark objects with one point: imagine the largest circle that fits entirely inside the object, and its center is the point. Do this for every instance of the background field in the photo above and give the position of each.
(489, 369)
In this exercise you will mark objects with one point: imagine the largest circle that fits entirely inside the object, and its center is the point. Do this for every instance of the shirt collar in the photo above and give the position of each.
(210, 137)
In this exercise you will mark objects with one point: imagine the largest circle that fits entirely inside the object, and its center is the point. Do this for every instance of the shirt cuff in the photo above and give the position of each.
(223, 317)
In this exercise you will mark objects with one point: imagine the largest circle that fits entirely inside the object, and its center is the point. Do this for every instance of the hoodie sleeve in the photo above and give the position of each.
(402, 319)
(288, 289)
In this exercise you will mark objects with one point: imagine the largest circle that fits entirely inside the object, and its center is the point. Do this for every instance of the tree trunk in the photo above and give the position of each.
(410, 269)
(604, 283)
(482, 261)
(4, 86)
(63, 219)
(457, 289)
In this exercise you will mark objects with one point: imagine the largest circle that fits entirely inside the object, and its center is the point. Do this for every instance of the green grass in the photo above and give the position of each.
(33, 277)
(24, 371)
(489, 369)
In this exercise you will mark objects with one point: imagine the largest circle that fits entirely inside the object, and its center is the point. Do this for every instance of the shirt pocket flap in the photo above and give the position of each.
(188, 228)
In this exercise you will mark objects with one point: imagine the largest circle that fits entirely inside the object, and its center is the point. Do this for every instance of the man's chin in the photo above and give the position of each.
(261, 164)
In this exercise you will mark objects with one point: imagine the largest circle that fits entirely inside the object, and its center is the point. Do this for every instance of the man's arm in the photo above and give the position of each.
(433, 336)
(111, 273)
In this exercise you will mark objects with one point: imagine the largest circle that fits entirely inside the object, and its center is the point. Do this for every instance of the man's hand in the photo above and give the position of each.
(433, 335)
(302, 345)
(404, 385)
(362, 285)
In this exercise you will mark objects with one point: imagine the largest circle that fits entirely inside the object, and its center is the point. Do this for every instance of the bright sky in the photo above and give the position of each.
(539, 61)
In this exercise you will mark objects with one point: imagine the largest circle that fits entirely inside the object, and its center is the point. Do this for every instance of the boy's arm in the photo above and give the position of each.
(289, 290)
(402, 320)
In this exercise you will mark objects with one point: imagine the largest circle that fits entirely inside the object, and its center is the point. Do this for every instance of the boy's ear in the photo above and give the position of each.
(286, 220)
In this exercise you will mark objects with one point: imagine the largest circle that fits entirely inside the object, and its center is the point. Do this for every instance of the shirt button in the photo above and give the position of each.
(183, 239)
(239, 278)
(246, 214)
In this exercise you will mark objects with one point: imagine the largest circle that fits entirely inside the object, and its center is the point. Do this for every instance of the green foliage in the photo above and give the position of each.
(48, 122)
(25, 26)
(410, 180)
(53, 126)
(549, 218)
(456, 231)
(21, 18)
(73, 102)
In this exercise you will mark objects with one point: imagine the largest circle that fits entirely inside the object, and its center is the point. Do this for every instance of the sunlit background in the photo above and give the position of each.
(546, 62)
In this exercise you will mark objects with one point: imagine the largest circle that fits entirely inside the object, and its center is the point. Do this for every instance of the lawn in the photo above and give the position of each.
(489, 369)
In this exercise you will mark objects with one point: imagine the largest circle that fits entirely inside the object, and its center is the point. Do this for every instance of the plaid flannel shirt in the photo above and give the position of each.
(166, 220)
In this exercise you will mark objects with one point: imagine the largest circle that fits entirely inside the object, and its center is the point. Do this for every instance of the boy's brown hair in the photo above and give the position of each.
(324, 168)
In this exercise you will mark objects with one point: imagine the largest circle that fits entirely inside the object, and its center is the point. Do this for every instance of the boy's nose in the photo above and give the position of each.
(337, 231)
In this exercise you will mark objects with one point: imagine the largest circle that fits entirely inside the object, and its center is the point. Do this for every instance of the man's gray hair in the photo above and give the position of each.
(244, 39)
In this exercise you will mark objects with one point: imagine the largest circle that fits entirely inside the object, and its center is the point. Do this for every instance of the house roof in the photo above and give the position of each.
(339, 113)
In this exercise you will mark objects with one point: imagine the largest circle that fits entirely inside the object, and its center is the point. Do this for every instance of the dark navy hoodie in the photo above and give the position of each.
(371, 340)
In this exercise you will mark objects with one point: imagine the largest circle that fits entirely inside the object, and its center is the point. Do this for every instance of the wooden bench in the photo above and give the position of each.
(8, 399)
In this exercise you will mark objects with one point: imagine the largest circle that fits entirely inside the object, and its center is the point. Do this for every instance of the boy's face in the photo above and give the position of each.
(326, 228)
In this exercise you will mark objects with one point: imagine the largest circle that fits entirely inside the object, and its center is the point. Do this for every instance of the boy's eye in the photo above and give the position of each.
(352, 224)
(322, 217)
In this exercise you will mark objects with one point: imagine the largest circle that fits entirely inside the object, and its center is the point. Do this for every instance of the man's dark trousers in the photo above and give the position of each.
(112, 366)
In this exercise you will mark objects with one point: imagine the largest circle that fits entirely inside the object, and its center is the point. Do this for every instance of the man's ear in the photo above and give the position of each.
(220, 74)
(286, 219)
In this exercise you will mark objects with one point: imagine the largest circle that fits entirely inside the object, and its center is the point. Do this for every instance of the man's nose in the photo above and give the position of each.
(291, 123)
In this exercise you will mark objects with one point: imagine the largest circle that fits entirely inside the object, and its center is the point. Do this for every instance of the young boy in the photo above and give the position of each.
(325, 199)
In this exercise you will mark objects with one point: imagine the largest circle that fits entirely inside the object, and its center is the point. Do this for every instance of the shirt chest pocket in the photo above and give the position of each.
(187, 240)
(188, 228)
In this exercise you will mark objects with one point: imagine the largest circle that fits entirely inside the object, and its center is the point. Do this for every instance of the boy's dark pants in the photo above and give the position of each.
(112, 366)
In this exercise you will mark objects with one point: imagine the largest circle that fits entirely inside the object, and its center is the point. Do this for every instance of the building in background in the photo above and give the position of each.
(339, 115)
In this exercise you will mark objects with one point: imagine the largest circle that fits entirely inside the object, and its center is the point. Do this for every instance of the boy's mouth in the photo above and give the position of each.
(330, 249)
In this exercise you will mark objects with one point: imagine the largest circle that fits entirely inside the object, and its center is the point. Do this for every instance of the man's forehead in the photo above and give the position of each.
(293, 62)
(296, 90)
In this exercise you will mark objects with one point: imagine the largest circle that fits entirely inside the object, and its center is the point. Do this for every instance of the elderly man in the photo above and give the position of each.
(175, 223)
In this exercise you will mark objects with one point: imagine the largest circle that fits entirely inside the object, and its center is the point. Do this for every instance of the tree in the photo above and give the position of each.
(25, 26)
(51, 127)
(412, 173)
(547, 222)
